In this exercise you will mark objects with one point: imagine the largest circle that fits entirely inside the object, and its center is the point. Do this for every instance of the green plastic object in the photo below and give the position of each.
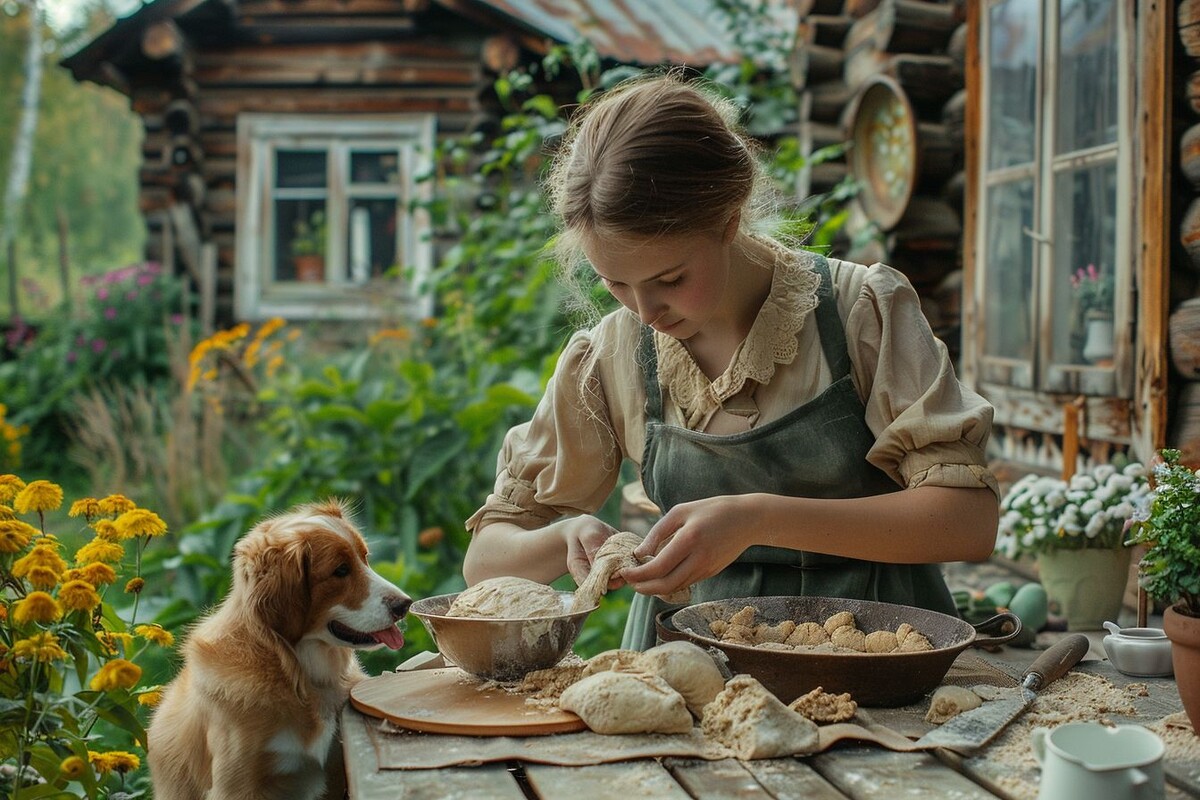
(1001, 593)
(1031, 604)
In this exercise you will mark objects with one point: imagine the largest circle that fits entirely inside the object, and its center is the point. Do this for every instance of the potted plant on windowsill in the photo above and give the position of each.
(1074, 529)
(1092, 293)
(1169, 525)
(308, 247)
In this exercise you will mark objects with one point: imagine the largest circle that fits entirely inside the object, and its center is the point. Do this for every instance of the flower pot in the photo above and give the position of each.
(1088, 584)
(1098, 341)
(1184, 633)
(309, 269)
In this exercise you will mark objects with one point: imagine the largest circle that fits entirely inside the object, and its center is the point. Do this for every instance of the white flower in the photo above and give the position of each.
(1134, 470)
(1091, 507)
(1104, 472)
(1083, 482)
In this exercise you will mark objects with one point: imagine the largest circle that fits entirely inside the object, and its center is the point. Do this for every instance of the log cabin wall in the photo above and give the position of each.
(918, 47)
(298, 57)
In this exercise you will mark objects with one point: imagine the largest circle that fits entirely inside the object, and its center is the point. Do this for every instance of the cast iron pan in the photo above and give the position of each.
(872, 679)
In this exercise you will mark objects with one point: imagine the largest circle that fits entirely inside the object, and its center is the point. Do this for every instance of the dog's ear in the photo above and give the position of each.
(272, 574)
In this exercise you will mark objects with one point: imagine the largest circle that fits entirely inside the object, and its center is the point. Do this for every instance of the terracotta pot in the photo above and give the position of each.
(1184, 633)
(1088, 584)
(309, 269)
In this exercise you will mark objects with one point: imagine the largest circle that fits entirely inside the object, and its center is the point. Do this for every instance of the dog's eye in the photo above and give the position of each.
(342, 571)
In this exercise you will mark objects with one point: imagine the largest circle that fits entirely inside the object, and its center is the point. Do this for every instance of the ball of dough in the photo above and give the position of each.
(808, 634)
(850, 638)
(914, 643)
(754, 723)
(838, 620)
(687, 668)
(507, 597)
(950, 701)
(881, 642)
(610, 660)
(627, 702)
(765, 632)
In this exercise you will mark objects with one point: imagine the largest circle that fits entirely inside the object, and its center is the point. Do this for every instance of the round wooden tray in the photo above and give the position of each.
(884, 153)
(452, 701)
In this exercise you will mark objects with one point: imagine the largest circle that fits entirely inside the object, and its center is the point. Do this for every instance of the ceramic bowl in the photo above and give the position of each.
(1138, 652)
(500, 649)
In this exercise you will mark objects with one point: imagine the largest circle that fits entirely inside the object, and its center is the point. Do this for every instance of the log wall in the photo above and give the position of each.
(1183, 342)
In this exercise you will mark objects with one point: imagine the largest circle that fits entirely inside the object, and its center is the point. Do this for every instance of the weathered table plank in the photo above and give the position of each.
(789, 779)
(870, 773)
(719, 780)
(621, 780)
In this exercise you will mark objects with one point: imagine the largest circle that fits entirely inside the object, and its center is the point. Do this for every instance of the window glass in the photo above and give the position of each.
(372, 238)
(300, 233)
(1085, 246)
(381, 166)
(1087, 74)
(300, 169)
(1009, 276)
(1014, 31)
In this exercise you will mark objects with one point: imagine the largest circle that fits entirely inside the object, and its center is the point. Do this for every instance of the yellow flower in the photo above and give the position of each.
(41, 646)
(38, 496)
(3, 613)
(10, 486)
(72, 768)
(99, 550)
(97, 574)
(155, 633)
(112, 639)
(115, 761)
(150, 698)
(135, 585)
(105, 529)
(270, 326)
(78, 596)
(37, 607)
(6, 512)
(86, 507)
(116, 504)
(140, 522)
(393, 334)
(42, 555)
(116, 674)
(42, 577)
(15, 535)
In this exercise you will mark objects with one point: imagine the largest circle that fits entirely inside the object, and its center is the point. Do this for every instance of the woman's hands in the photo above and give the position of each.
(584, 535)
(691, 542)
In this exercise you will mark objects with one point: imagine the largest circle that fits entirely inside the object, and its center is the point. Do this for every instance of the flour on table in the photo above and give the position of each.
(754, 723)
(507, 597)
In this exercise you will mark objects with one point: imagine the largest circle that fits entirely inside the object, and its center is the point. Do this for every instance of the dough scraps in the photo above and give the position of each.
(754, 723)
(627, 702)
(507, 597)
(822, 707)
(950, 701)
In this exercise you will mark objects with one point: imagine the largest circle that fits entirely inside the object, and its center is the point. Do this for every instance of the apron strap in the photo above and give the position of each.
(829, 324)
(647, 358)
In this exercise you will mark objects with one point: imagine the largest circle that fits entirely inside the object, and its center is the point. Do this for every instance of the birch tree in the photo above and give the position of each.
(22, 152)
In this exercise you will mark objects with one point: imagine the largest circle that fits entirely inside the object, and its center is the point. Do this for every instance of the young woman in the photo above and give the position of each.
(793, 417)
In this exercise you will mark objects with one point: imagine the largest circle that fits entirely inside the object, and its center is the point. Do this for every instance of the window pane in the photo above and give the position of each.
(1087, 70)
(381, 166)
(300, 169)
(372, 242)
(1085, 246)
(1009, 299)
(301, 237)
(1014, 30)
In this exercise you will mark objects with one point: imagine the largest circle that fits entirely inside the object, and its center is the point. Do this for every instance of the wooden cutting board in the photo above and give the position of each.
(451, 701)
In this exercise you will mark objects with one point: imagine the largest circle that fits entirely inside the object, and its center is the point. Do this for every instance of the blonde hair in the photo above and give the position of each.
(655, 155)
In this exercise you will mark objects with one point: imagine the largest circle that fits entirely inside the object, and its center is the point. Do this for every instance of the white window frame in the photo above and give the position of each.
(996, 376)
(256, 294)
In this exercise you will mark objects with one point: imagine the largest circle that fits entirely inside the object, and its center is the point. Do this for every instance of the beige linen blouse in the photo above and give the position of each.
(929, 428)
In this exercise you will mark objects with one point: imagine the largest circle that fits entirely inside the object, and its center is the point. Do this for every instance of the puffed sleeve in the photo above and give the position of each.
(566, 459)
(929, 428)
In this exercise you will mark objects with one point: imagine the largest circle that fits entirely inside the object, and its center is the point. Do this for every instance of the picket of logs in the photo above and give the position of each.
(1183, 328)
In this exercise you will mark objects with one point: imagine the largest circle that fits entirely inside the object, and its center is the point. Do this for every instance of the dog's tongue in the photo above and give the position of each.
(390, 636)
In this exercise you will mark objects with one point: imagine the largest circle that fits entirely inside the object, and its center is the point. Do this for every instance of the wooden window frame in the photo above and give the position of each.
(1108, 391)
(256, 294)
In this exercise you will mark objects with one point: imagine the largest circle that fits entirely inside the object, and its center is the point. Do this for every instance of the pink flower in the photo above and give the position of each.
(98, 345)
(110, 313)
(102, 293)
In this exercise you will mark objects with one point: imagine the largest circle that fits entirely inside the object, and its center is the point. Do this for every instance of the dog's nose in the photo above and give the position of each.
(398, 604)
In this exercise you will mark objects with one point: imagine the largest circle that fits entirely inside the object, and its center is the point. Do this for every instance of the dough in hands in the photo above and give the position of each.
(613, 556)
(507, 597)
(627, 702)
(754, 723)
(950, 701)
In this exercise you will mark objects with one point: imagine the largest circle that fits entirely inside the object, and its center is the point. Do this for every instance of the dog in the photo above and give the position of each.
(253, 713)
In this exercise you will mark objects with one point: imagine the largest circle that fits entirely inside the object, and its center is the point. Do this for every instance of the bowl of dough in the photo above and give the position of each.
(883, 654)
(503, 628)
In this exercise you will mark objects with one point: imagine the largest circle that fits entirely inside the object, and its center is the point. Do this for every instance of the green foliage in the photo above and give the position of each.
(118, 333)
(1170, 528)
(311, 235)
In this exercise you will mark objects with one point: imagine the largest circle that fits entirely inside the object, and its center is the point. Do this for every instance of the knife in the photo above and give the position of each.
(973, 729)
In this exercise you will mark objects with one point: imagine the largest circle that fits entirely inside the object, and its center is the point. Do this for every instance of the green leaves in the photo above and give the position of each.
(1170, 568)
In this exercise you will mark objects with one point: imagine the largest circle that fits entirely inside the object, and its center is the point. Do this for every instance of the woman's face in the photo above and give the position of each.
(675, 284)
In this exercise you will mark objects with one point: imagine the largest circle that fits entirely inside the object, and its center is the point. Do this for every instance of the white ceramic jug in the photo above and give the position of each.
(1089, 761)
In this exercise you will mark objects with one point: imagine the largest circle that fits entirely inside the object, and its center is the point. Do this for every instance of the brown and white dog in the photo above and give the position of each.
(254, 711)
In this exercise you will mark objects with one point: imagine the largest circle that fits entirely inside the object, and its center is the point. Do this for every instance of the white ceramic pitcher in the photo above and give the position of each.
(1088, 761)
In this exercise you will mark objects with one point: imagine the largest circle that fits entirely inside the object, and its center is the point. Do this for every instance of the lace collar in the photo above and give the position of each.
(771, 341)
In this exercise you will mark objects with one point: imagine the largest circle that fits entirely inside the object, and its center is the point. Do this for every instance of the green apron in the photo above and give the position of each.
(816, 450)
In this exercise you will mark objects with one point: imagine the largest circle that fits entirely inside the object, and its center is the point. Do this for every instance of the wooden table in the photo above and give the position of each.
(854, 772)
